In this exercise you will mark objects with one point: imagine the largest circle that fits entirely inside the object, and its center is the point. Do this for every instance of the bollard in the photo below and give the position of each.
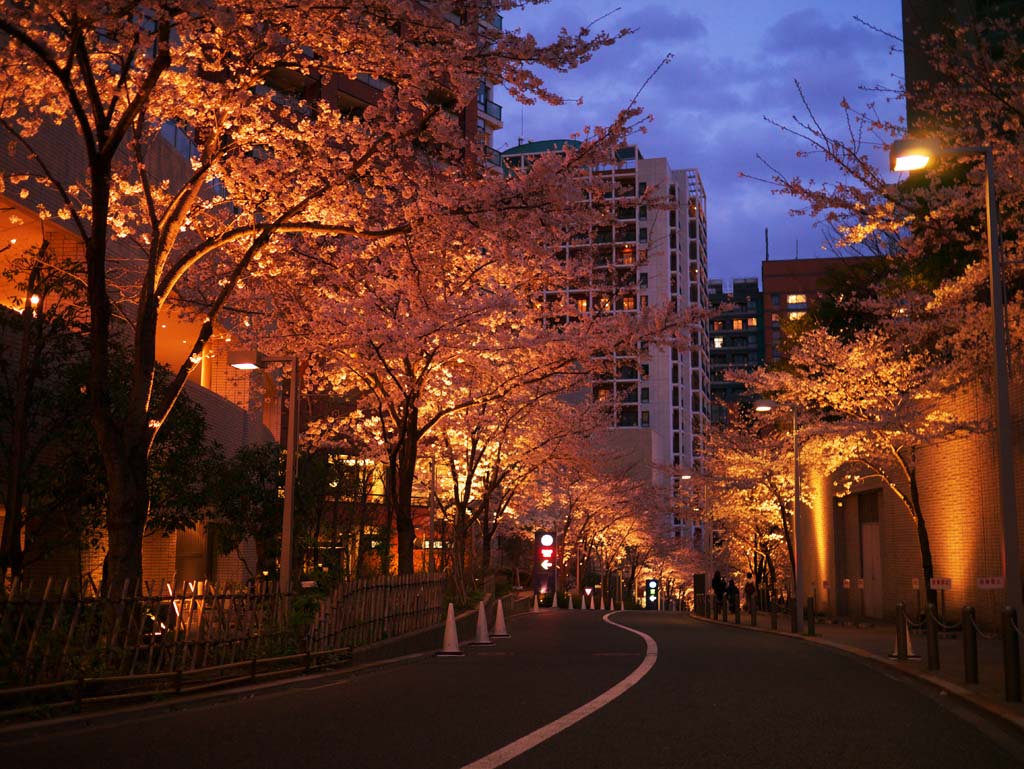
(753, 613)
(810, 615)
(793, 609)
(775, 614)
(901, 632)
(932, 627)
(738, 609)
(1011, 655)
(970, 645)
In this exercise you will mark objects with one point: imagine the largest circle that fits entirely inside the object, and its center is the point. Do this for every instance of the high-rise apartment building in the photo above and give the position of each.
(736, 338)
(654, 255)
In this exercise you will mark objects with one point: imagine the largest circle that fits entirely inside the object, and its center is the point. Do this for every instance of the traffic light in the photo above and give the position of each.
(544, 567)
(651, 594)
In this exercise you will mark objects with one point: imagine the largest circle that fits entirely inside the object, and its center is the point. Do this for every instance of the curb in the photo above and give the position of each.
(966, 696)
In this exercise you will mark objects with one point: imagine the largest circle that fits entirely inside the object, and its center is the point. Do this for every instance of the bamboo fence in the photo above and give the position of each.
(63, 635)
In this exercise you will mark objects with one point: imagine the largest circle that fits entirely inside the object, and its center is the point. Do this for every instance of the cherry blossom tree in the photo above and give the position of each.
(187, 144)
(882, 397)
(749, 470)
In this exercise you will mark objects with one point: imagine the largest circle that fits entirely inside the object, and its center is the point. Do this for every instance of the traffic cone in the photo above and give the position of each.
(536, 604)
(482, 637)
(602, 603)
(570, 601)
(911, 654)
(500, 631)
(450, 648)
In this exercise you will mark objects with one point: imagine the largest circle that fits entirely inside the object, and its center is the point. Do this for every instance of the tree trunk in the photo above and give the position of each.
(127, 511)
(400, 496)
(922, 538)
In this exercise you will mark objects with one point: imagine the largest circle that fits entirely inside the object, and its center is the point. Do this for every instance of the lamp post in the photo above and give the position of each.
(249, 360)
(765, 406)
(707, 528)
(911, 155)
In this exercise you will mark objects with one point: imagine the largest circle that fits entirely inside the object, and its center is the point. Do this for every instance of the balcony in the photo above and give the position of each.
(491, 108)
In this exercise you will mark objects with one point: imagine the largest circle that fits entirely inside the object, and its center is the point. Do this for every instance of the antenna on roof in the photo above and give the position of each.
(766, 256)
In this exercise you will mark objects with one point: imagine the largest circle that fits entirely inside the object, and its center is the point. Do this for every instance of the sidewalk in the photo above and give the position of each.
(875, 640)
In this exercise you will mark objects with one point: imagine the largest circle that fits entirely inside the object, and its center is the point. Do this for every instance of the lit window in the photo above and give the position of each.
(581, 304)
(629, 303)
(796, 298)
(718, 342)
(737, 324)
(796, 314)
(751, 322)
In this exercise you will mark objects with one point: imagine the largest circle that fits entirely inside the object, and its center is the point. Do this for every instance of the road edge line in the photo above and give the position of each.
(546, 732)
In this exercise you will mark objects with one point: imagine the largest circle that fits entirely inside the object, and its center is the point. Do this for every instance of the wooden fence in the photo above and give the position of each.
(370, 610)
(60, 636)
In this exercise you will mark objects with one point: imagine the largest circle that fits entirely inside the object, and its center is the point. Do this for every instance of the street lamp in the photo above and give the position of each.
(764, 406)
(913, 154)
(250, 360)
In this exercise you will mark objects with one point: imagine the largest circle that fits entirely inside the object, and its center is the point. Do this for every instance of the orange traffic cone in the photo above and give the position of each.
(602, 603)
(450, 648)
(570, 601)
(500, 631)
(536, 603)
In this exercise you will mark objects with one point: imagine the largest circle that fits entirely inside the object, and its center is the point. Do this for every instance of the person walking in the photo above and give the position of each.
(718, 588)
(733, 594)
(750, 594)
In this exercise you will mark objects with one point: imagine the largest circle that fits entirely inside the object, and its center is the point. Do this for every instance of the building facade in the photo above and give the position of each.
(654, 255)
(737, 342)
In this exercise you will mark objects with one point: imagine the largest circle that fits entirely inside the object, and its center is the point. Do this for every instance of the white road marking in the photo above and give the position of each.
(546, 732)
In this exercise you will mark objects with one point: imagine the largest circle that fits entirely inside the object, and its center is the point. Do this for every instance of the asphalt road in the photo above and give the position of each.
(715, 697)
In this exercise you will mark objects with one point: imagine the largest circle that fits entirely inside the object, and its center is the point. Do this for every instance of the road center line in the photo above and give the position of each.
(546, 732)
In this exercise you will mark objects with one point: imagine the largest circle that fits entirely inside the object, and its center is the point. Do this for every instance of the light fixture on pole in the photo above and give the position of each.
(250, 360)
(913, 154)
(765, 406)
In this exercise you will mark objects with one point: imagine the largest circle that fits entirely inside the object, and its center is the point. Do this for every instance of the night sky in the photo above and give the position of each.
(734, 63)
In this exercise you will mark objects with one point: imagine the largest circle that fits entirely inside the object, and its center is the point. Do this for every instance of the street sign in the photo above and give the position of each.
(940, 583)
(991, 583)
(846, 583)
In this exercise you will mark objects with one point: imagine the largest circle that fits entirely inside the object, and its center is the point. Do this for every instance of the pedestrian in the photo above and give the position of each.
(718, 588)
(733, 593)
(750, 593)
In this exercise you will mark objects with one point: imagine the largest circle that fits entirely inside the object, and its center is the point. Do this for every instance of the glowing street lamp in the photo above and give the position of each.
(765, 406)
(913, 154)
(250, 360)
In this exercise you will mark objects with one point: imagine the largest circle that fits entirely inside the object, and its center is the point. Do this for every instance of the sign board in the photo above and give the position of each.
(915, 583)
(860, 583)
(940, 583)
(991, 583)
(846, 583)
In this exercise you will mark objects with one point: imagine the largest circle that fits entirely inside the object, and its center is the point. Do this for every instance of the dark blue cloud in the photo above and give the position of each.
(734, 63)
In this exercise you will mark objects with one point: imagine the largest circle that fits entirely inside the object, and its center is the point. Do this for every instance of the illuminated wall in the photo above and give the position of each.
(958, 485)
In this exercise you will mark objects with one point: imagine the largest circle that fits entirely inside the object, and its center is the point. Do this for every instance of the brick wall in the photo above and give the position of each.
(958, 483)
